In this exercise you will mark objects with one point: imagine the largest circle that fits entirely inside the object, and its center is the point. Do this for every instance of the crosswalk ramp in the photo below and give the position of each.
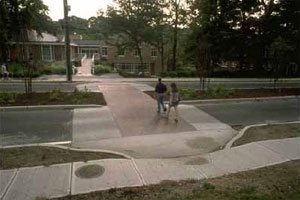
(90, 124)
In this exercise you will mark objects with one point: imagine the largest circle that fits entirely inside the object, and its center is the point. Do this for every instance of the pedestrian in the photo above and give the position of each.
(4, 71)
(160, 91)
(174, 100)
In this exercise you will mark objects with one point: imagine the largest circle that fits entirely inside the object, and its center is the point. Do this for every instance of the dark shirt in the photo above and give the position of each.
(160, 88)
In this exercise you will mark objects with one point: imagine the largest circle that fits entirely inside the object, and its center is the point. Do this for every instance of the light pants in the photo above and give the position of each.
(175, 108)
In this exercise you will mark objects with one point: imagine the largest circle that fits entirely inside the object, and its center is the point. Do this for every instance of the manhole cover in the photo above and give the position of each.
(90, 171)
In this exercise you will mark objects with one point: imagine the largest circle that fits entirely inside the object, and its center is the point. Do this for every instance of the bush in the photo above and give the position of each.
(58, 70)
(16, 70)
(172, 74)
(102, 69)
(58, 67)
(219, 92)
(8, 97)
(163, 74)
(187, 94)
(186, 73)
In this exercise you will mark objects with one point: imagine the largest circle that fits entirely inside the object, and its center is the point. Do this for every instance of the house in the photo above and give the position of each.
(128, 60)
(47, 47)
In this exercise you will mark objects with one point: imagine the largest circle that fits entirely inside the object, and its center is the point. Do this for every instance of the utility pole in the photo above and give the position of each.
(67, 41)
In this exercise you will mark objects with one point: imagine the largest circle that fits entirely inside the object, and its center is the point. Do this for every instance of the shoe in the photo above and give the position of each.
(176, 121)
(165, 109)
(158, 111)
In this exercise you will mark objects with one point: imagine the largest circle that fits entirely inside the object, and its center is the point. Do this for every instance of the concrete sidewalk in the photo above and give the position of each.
(61, 180)
(167, 139)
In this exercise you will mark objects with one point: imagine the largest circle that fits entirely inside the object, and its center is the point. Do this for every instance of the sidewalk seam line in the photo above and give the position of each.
(71, 179)
(10, 184)
(138, 172)
(276, 152)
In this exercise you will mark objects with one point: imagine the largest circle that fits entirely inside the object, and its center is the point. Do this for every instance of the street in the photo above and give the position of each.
(258, 112)
(233, 84)
(37, 87)
(27, 127)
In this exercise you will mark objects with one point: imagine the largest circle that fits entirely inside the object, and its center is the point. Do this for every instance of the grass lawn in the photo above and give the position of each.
(55, 97)
(223, 93)
(37, 156)
(269, 183)
(269, 132)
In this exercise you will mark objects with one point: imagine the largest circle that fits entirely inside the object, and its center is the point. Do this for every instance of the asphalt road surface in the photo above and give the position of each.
(38, 87)
(248, 113)
(27, 127)
(232, 85)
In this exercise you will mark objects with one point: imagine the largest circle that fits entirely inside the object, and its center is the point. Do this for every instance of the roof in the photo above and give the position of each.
(87, 42)
(33, 36)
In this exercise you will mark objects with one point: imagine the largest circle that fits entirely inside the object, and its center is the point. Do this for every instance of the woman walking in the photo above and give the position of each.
(174, 100)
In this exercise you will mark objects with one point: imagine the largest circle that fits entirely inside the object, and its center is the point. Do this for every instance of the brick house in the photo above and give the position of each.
(47, 47)
(127, 59)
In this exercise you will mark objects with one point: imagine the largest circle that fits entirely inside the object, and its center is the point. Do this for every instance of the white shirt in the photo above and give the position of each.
(3, 68)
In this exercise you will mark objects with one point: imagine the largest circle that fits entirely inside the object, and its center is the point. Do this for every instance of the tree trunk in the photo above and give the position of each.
(174, 59)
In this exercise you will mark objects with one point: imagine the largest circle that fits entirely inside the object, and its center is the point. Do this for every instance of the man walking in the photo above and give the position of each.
(160, 90)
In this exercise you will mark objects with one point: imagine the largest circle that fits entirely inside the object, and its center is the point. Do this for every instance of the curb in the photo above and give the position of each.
(242, 132)
(215, 101)
(48, 107)
(58, 145)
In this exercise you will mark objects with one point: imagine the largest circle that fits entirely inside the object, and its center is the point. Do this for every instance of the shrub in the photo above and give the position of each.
(173, 74)
(186, 73)
(58, 67)
(102, 69)
(16, 70)
(191, 73)
(219, 92)
(187, 94)
(55, 95)
(163, 74)
(58, 70)
(8, 97)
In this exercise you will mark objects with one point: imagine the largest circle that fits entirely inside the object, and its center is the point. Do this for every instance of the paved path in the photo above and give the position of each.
(132, 126)
(135, 112)
(86, 68)
(61, 180)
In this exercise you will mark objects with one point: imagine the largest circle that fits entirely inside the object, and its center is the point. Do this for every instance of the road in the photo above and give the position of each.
(226, 83)
(26, 127)
(232, 85)
(248, 113)
(38, 87)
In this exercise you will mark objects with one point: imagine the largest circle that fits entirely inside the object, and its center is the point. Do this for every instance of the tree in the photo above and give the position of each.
(178, 14)
(130, 21)
(17, 18)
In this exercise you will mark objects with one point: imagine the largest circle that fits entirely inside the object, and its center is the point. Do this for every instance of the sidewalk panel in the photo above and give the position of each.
(154, 171)
(289, 148)
(118, 173)
(259, 155)
(48, 182)
(6, 177)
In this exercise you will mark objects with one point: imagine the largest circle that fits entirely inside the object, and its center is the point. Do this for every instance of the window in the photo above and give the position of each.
(153, 52)
(46, 52)
(136, 52)
(104, 51)
(121, 51)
